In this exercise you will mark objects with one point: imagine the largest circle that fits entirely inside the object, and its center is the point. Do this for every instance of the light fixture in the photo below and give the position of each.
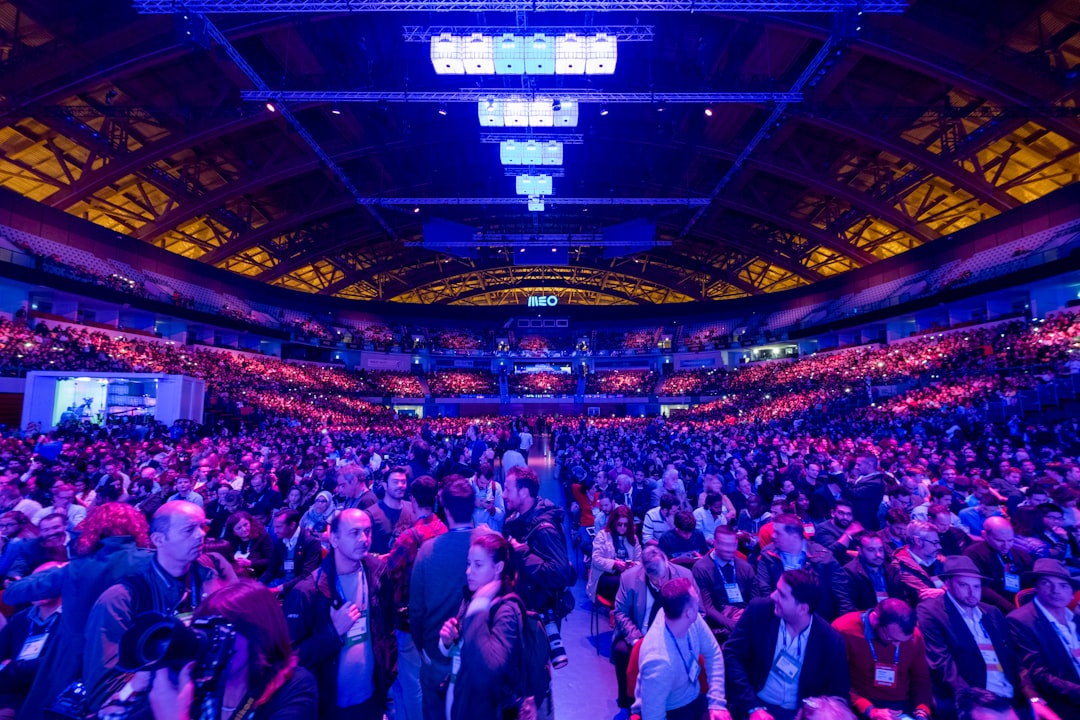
(442, 109)
(708, 111)
(661, 106)
(446, 54)
(478, 54)
(509, 54)
(538, 185)
(416, 210)
(335, 110)
(603, 110)
(556, 105)
(519, 111)
(271, 107)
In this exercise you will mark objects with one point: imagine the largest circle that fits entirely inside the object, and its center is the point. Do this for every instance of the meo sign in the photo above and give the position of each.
(543, 301)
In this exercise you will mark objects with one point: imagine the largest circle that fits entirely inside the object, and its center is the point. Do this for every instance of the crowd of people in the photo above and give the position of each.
(542, 383)
(621, 382)
(455, 383)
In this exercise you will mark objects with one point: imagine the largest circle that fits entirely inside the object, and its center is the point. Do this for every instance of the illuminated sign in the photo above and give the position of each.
(543, 301)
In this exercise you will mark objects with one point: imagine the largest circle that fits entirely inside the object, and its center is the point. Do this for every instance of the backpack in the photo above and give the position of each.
(533, 685)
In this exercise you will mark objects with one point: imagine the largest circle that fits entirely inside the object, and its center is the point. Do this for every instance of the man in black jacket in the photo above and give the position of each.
(341, 623)
(297, 553)
(781, 653)
(866, 491)
(869, 578)
(1047, 639)
(725, 582)
(1000, 562)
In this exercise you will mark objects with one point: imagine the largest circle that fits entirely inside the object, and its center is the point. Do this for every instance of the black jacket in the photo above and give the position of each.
(953, 654)
(316, 641)
(833, 600)
(865, 496)
(748, 658)
(992, 566)
(544, 568)
(1046, 668)
(719, 612)
(861, 587)
(307, 557)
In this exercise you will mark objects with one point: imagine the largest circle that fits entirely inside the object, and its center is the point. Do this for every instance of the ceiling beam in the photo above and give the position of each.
(724, 236)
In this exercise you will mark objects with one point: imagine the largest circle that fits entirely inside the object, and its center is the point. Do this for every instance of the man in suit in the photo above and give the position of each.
(967, 641)
(781, 653)
(919, 564)
(869, 578)
(866, 492)
(790, 550)
(1047, 639)
(636, 605)
(296, 553)
(725, 581)
(1000, 562)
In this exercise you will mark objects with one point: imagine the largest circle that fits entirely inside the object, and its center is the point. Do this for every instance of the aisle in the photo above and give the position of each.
(585, 689)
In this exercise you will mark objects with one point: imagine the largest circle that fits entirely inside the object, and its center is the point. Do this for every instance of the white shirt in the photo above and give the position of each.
(663, 680)
(996, 681)
(706, 523)
(1066, 633)
(75, 514)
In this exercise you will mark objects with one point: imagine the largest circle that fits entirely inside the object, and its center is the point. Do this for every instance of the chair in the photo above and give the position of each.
(594, 617)
(1025, 596)
(632, 671)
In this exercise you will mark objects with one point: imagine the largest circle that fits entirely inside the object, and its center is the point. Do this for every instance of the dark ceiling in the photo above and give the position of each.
(913, 127)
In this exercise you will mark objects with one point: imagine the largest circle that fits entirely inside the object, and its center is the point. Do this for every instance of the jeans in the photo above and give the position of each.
(405, 691)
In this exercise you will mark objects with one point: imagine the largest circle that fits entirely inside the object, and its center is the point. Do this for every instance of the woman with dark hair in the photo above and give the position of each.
(262, 680)
(251, 544)
(484, 640)
(615, 550)
(294, 500)
(110, 547)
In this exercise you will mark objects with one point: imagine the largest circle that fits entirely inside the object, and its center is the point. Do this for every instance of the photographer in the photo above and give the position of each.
(535, 533)
(261, 680)
(341, 621)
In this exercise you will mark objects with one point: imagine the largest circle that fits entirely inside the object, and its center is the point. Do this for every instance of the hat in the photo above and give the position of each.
(1045, 567)
(961, 565)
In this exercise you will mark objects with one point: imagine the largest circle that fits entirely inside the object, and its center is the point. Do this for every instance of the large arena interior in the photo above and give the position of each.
(745, 329)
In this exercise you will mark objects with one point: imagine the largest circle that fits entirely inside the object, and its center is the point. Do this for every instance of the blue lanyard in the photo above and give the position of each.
(787, 639)
(362, 586)
(689, 648)
(869, 632)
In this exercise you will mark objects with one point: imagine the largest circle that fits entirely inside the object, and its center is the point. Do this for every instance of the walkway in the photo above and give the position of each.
(585, 689)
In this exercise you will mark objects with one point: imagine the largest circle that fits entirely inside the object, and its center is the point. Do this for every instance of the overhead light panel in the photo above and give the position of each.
(537, 54)
(518, 111)
(533, 185)
(490, 112)
(531, 152)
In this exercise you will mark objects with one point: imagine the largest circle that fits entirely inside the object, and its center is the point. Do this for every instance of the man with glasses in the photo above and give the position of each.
(887, 662)
(920, 563)
(1050, 538)
(63, 497)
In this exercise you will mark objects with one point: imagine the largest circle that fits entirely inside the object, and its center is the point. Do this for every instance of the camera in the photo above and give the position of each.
(555, 644)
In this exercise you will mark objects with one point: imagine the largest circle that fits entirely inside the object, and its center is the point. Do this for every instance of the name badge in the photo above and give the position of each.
(693, 672)
(787, 666)
(455, 666)
(734, 593)
(358, 633)
(884, 675)
(990, 657)
(1012, 582)
(937, 583)
(31, 649)
(809, 530)
(289, 565)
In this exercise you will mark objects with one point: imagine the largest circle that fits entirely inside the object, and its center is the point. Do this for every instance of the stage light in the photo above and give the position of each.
(442, 109)
(271, 107)
(335, 110)
(708, 111)
(603, 110)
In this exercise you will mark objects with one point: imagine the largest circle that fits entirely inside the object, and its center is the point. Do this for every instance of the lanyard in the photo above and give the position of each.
(194, 595)
(869, 632)
(687, 664)
(786, 640)
(362, 587)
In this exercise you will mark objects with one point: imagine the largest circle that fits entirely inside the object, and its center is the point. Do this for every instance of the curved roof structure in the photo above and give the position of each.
(906, 127)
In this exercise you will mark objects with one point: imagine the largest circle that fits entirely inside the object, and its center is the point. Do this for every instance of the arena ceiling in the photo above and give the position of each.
(910, 127)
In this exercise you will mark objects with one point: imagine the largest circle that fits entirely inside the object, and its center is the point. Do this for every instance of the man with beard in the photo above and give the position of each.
(836, 534)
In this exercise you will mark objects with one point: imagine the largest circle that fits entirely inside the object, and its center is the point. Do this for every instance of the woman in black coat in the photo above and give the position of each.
(250, 543)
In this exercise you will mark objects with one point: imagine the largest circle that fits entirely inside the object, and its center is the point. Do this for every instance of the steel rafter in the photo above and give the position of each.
(621, 33)
(549, 199)
(752, 248)
(485, 239)
(466, 95)
(338, 6)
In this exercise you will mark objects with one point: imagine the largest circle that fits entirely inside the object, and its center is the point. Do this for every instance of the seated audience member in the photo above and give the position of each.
(295, 555)
(636, 605)
(836, 534)
(668, 684)
(262, 499)
(974, 518)
(684, 543)
(615, 550)
(1046, 635)
(869, 578)
(711, 514)
(967, 641)
(887, 662)
(660, 519)
(1050, 538)
(54, 544)
(791, 551)
(323, 509)
(825, 708)
(63, 497)
(954, 541)
(725, 582)
(981, 704)
(919, 563)
(250, 544)
(894, 536)
(219, 510)
(1001, 564)
(24, 642)
(185, 491)
(781, 652)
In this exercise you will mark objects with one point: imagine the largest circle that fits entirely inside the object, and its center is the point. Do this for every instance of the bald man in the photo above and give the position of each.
(341, 623)
(172, 584)
(1001, 562)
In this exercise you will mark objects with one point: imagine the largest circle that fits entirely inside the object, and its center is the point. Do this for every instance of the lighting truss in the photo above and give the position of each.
(620, 33)
(536, 240)
(343, 6)
(582, 95)
(515, 171)
(499, 138)
(415, 201)
(519, 54)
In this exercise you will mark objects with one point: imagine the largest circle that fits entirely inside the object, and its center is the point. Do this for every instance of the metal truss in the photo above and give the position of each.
(581, 95)
(548, 199)
(622, 33)
(536, 240)
(336, 6)
(495, 138)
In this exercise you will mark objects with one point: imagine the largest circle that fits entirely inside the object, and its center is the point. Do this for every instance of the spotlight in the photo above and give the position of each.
(416, 209)
(335, 110)
(661, 106)
(708, 111)
(110, 96)
(603, 110)
(556, 105)
(490, 104)
(442, 109)
(271, 107)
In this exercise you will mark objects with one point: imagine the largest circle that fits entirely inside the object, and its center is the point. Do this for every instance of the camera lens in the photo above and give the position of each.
(558, 652)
